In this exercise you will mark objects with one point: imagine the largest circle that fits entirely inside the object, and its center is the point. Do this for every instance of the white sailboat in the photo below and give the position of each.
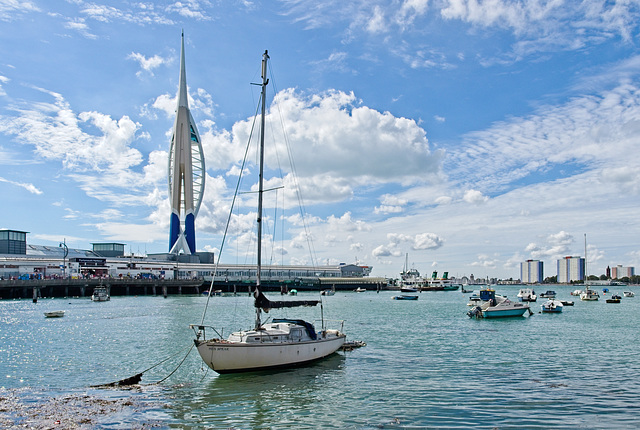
(282, 343)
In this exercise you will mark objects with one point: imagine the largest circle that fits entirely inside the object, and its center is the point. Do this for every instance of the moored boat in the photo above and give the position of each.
(405, 297)
(54, 314)
(589, 295)
(498, 307)
(527, 295)
(100, 294)
(615, 298)
(628, 293)
(552, 306)
(549, 294)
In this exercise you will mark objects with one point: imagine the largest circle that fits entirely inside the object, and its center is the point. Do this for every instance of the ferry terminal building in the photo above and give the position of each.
(19, 260)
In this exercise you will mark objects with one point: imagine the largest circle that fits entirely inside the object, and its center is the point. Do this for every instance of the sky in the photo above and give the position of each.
(464, 136)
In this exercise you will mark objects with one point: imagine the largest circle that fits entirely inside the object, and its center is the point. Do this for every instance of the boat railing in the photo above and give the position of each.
(200, 331)
(323, 324)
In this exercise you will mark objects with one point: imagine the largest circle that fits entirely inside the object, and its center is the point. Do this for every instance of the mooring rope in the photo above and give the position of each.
(174, 370)
(135, 379)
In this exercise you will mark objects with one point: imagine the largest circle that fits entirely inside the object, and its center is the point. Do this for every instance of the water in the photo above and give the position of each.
(426, 365)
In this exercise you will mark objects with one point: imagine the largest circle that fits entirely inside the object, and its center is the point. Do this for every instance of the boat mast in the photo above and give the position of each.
(585, 259)
(263, 92)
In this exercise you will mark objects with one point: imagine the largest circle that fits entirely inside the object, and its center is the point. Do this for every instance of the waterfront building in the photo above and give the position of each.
(13, 241)
(571, 269)
(619, 272)
(186, 172)
(532, 272)
(108, 260)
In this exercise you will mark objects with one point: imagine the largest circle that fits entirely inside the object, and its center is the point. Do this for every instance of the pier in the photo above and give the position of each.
(35, 288)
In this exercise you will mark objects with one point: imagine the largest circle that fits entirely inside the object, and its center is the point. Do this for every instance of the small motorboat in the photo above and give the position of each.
(527, 295)
(293, 292)
(566, 302)
(405, 297)
(54, 314)
(498, 307)
(589, 295)
(614, 299)
(474, 300)
(552, 306)
(360, 290)
(576, 292)
(328, 292)
(628, 294)
(549, 294)
(408, 290)
(100, 294)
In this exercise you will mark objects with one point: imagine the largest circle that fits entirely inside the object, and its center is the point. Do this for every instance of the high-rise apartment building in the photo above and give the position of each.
(571, 269)
(531, 272)
(619, 272)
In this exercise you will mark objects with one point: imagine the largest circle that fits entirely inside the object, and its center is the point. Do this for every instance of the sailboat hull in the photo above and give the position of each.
(229, 357)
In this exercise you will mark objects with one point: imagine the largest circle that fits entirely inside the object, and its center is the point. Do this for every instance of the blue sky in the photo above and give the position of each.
(470, 135)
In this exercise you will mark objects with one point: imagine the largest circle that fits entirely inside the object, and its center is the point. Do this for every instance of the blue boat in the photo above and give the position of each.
(405, 297)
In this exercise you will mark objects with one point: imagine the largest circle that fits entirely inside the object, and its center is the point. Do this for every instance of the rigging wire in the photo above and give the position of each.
(294, 177)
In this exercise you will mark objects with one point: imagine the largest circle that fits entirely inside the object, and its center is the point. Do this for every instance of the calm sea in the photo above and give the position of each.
(426, 365)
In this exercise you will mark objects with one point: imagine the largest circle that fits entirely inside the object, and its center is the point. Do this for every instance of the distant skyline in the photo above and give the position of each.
(470, 135)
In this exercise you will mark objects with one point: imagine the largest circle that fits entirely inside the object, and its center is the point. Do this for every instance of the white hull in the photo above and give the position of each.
(589, 295)
(228, 357)
(54, 314)
(100, 294)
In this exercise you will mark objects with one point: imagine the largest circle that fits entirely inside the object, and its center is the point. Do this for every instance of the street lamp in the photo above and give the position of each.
(63, 244)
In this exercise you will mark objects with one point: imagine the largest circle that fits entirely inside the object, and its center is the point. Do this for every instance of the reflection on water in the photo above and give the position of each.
(282, 397)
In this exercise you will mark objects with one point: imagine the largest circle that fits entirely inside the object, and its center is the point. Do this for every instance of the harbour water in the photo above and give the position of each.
(426, 365)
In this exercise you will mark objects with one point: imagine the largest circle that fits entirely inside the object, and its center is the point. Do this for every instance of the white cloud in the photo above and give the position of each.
(391, 204)
(29, 187)
(191, 9)
(588, 131)
(3, 80)
(474, 197)
(376, 23)
(12, 9)
(56, 132)
(443, 200)
(557, 245)
(79, 25)
(419, 241)
(147, 63)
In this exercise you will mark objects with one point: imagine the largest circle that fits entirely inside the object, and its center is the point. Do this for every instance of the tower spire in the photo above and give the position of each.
(183, 96)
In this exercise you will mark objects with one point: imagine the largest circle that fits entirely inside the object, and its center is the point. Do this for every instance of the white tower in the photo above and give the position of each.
(186, 172)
